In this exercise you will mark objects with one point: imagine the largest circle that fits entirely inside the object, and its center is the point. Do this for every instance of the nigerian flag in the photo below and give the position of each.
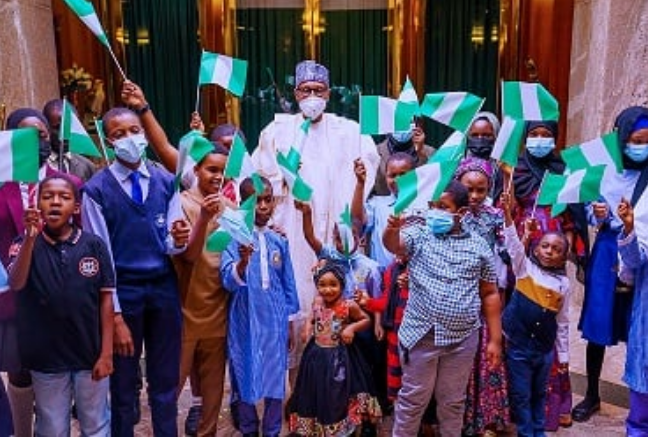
(509, 139)
(229, 73)
(528, 101)
(192, 149)
(454, 109)
(408, 100)
(19, 155)
(600, 151)
(240, 166)
(72, 131)
(234, 224)
(86, 12)
(299, 189)
(382, 115)
(583, 185)
(293, 157)
(345, 228)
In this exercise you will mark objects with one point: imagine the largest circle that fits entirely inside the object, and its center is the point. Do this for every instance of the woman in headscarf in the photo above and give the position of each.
(539, 158)
(608, 299)
(480, 141)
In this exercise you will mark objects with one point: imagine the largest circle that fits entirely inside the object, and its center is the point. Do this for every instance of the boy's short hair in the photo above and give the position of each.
(115, 112)
(52, 105)
(458, 192)
(247, 189)
(62, 177)
(401, 157)
(558, 234)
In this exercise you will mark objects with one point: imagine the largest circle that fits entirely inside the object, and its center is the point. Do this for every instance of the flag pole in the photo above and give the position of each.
(535, 203)
(121, 71)
(197, 97)
(359, 126)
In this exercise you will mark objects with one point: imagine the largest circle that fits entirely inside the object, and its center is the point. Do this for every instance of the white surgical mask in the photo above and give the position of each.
(312, 107)
(131, 148)
(636, 152)
(540, 146)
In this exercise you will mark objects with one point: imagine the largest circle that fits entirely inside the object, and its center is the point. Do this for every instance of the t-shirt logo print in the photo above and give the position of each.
(89, 267)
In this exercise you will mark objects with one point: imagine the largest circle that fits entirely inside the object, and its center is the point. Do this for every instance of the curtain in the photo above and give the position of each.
(353, 46)
(162, 56)
(461, 52)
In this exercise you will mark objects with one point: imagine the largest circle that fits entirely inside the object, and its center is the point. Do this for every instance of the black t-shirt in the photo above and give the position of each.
(59, 324)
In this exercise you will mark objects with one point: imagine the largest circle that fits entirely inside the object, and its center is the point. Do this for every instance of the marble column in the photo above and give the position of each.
(28, 73)
(609, 61)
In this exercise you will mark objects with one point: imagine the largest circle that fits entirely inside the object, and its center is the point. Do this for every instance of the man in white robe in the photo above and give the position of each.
(328, 151)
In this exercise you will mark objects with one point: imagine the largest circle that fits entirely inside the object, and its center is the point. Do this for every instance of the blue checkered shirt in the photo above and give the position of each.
(445, 273)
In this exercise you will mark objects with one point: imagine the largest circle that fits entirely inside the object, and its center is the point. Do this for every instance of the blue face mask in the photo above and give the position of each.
(540, 146)
(439, 221)
(403, 137)
(636, 152)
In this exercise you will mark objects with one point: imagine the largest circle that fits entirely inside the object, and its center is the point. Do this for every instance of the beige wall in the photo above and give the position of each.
(28, 73)
(609, 64)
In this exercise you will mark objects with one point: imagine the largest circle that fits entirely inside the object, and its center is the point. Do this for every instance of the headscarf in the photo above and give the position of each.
(226, 130)
(394, 146)
(627, 122)
(479, 165)
(491, 118)
(311, 71)
(44, 146)
(331, 267)
(530, 169)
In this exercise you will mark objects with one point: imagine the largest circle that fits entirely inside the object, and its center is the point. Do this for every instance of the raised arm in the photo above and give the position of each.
(19, 268)
(357, 204)
(391, 236)
(307, 226)
(133, 97)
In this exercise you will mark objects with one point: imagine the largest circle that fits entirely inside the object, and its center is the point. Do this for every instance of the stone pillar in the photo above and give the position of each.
(608, 64)
(28, 73)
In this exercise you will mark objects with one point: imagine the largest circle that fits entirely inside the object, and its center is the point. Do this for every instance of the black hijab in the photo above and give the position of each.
(624, 125)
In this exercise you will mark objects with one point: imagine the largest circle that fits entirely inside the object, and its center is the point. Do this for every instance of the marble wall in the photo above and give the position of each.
(609, 64)
(28, 73)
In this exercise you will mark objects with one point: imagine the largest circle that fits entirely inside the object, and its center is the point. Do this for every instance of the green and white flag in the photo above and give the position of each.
(299, 189)
(454, 109)
(19, 155)
(509, 139)
(528, 101)
(108, 153)
(382, 115)
(86, 12)
(234, 224)
(72, 131)
(408, 100)
(293, 157)
(583, 185)
(600, 151)
(229, 73)
(427, 182)
(240, 166)
(345, 228)
(192, 149)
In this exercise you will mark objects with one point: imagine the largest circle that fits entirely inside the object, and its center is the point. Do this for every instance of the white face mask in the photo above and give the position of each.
(312, 107)
(131, 148)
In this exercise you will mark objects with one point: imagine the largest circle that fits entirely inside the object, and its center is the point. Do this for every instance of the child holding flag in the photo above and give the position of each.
(536, 318)
(452, 280)
(203, 297)
(263, 302)
(135, 208)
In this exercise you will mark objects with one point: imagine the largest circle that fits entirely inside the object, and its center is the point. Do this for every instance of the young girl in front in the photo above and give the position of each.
(536, 318)
(487, 407)
(333, 393)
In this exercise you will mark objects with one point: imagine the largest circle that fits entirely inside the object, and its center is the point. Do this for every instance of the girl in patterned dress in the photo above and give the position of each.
(487, 407)
(334, 391)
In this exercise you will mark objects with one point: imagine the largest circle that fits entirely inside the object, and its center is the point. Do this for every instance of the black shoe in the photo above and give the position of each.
(193, 419)
(585, 409)
(137, 408)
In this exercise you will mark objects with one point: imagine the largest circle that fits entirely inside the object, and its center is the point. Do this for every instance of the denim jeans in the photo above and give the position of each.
(528, 372)
(54, 393)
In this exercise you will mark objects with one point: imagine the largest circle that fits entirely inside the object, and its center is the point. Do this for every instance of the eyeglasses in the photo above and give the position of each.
(307, 91)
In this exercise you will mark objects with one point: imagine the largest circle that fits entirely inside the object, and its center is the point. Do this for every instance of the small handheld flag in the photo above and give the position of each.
(528, 101)
(240, 166)
(19, 155)
(193, 148)
(509, 139)
(381, 115)
(235, 225)
(72, 131)
(229, 73)
(583, 185)
(455, 109)
(604, 150)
